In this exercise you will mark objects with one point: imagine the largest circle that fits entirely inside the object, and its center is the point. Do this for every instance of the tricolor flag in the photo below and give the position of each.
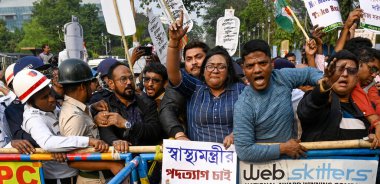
(283, 16)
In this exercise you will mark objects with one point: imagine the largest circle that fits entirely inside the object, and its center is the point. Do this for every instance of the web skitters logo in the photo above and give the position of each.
(346, 171)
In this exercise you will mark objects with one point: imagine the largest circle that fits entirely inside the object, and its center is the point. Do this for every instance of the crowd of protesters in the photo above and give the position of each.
(201, 94)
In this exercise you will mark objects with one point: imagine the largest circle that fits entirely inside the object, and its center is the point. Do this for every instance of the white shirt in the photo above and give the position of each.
(44, 129)
(5, 133)
(62, 56)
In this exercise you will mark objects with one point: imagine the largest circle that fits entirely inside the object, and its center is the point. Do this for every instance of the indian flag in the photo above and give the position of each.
(283, 16)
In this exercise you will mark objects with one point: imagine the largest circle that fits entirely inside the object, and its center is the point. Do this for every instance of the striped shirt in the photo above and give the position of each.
(209, 118)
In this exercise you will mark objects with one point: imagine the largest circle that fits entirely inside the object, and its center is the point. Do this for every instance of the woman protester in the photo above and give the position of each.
(211, 99)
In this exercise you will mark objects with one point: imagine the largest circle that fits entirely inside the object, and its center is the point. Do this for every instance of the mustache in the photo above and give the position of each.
(128, 87)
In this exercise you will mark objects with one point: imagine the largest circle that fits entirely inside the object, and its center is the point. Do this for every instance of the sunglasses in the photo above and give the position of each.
(154, 80)
(350, 70)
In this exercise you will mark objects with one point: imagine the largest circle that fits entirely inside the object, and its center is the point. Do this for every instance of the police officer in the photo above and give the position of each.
(14, 112)
(75, 120)
(40, 120)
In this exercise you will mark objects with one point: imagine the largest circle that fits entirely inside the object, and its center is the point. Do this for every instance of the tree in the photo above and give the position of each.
(7, 38)
(35, 35)
(49, 17)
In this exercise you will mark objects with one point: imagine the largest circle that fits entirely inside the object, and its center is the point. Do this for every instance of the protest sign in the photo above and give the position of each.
(158, 35)
(20, 172)
(227, 31)
(324, 13)
(172, 9)
(284, 49)
(371, 17)
(359, 170)
(366, 34)
(198, 163)
(111, 19)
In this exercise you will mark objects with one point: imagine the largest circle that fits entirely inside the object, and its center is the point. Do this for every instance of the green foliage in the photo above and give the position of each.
(49, 18)
(8, 39)
(35, 35)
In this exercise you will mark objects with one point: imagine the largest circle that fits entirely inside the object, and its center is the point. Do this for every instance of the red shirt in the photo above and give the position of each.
(363, 101)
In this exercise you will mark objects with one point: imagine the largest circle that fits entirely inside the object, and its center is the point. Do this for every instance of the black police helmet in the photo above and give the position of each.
(72, 71)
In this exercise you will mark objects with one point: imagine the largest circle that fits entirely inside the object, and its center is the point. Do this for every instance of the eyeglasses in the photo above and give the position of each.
(124, 79)
(350, 70)
(220, 68)
(372, 69)
(154, 80)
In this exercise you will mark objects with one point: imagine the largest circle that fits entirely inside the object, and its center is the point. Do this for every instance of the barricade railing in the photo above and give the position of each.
(137, 167)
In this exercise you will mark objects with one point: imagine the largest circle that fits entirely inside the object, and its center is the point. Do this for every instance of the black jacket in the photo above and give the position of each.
(172, 112)
(14, 115)
(320, 119)
(145, 128)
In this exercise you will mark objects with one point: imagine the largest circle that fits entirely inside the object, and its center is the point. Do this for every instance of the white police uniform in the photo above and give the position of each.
(5, 133)
(43, 127)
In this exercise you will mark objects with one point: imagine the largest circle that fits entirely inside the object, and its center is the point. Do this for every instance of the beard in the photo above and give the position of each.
(127, 93)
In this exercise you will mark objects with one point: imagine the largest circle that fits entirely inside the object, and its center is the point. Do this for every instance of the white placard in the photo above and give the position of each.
(365, 33)
(371, 17)
(361, 170)
(198, 163)
(227, 31)
(175, 6)
(324, 13)
(126, 16)
(158, 35)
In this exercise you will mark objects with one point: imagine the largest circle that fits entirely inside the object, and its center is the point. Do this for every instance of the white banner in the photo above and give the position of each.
(126, 16)
(172, 8)
(371, 17)
(158, 35)
(365, 33)
(227, 31)
(361, 170)
(324, 13)
(198, 163)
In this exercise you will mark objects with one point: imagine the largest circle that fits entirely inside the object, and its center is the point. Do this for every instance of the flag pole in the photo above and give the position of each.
(297, 22)
(123, 36)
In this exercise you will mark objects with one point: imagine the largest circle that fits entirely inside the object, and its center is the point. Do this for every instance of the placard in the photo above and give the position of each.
(20, 172)
(126, 16)
(198, 163)
(324, 13)
(371, 16)
(172, 9)
(365, 33)
(227, 31)
(358, 170)
(158, 35)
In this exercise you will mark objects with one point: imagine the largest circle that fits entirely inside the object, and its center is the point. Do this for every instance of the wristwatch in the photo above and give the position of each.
(127, 124)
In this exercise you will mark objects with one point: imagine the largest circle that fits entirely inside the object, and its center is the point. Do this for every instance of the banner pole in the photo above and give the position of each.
(123, 37)
(173, 20)
(132, 149)
(298, 23)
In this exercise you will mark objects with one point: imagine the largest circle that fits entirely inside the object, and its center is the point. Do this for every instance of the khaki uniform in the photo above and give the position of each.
(75, 120)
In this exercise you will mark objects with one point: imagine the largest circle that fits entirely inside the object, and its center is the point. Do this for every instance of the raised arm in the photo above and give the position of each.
(176, 33)
(345, 34)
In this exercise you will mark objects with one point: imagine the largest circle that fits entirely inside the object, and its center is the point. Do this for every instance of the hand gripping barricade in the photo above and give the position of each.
(28, 82)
